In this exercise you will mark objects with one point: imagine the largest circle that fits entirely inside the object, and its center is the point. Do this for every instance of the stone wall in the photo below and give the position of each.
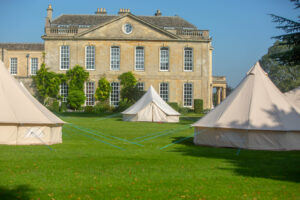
(29, 84)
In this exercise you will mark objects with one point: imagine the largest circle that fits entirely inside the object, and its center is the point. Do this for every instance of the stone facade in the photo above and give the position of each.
(24, 54)
(103, 31)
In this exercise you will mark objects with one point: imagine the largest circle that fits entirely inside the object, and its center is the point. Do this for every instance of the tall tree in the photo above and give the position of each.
(291, 55)
(285, 77)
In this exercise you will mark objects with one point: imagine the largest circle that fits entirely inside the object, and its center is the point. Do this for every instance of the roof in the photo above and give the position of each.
(23, 46)
(256, 104)
(160, 21)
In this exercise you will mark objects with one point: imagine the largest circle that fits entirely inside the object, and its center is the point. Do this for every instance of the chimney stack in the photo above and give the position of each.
(123, 11)
(101, 11)
(49, 12)
(158, 13)
(49, 15)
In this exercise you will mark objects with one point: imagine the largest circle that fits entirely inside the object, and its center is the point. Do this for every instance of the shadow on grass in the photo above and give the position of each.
(19, 192)
(263, 164)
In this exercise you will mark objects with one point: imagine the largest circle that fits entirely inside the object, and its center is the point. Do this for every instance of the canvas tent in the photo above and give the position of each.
(255, 116)
(293, 97)
(23, 120)
(151, 108)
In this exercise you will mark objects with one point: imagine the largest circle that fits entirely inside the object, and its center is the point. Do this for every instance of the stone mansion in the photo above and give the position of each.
(167, 52)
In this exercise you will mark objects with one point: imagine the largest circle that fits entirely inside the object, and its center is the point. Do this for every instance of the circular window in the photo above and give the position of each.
(127, 28)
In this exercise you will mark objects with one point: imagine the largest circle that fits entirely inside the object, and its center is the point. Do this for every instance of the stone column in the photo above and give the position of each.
(223, 93)
(218, 95)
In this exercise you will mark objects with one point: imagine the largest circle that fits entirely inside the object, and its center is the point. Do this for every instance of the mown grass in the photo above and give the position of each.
(103, 157)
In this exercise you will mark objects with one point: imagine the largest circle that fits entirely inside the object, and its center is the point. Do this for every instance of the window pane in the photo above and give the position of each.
(64, 91)
(115, 94)
(164, 59)
(164, 91)
(139, 58)
(13, 66)
(34, 65)
(90, 93)
(115, 58)
(90, 57)
(188, 94)
(140, 86)
(188, 59)
(64, 57)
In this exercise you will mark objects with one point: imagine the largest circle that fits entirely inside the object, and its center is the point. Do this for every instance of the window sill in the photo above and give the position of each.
(164, 70)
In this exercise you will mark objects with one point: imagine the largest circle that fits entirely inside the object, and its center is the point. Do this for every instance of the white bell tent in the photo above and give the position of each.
(151, 108)
(256, 115)
(293, 97)
(23, 120)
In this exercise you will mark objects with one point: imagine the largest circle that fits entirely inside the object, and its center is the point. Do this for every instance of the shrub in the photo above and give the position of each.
(89, 109)
(198, 105)
(183, 110)
(75, 99)
(129, 90)
(47, 84)
(76, 77)
(174, 105)
(123, 105)
(63, 107)
(102, 107)
(53, 105)
(103, 90)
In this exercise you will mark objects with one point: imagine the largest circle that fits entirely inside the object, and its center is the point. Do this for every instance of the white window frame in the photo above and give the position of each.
(143, 58)
(90, 64)
(185, 61)
(111, 57)
(112, 101)
(160, 59)
(90, 96)
(13, 64)
(192, 95)
(165, 85)
(64, 91)
(141, 86)
(36, 65)
(60, 61)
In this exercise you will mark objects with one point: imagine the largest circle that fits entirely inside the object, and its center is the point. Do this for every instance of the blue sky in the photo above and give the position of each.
(241, 29)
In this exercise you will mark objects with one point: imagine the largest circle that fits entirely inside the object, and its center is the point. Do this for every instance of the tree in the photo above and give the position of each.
(129, 92)
(47, 83)
(291, 40)
(75, 79)
(285, 77)
(103, 90)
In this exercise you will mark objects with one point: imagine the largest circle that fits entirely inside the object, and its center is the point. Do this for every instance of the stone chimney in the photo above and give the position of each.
(49, 12)
(101, 11)
(158, 13)
(49, 15)
(123, 11)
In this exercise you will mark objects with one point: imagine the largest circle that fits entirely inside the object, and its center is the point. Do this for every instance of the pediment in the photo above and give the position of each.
(115, 30)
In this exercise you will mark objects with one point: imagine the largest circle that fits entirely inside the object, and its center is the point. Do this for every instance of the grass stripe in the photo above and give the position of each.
(107, 117)
(91, 131)
(167, 133)
(150, 134)
(83, 129)
(177, 141)
(88, 136)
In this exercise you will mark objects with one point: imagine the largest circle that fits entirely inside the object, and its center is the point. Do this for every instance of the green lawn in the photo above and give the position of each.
(105, 158)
